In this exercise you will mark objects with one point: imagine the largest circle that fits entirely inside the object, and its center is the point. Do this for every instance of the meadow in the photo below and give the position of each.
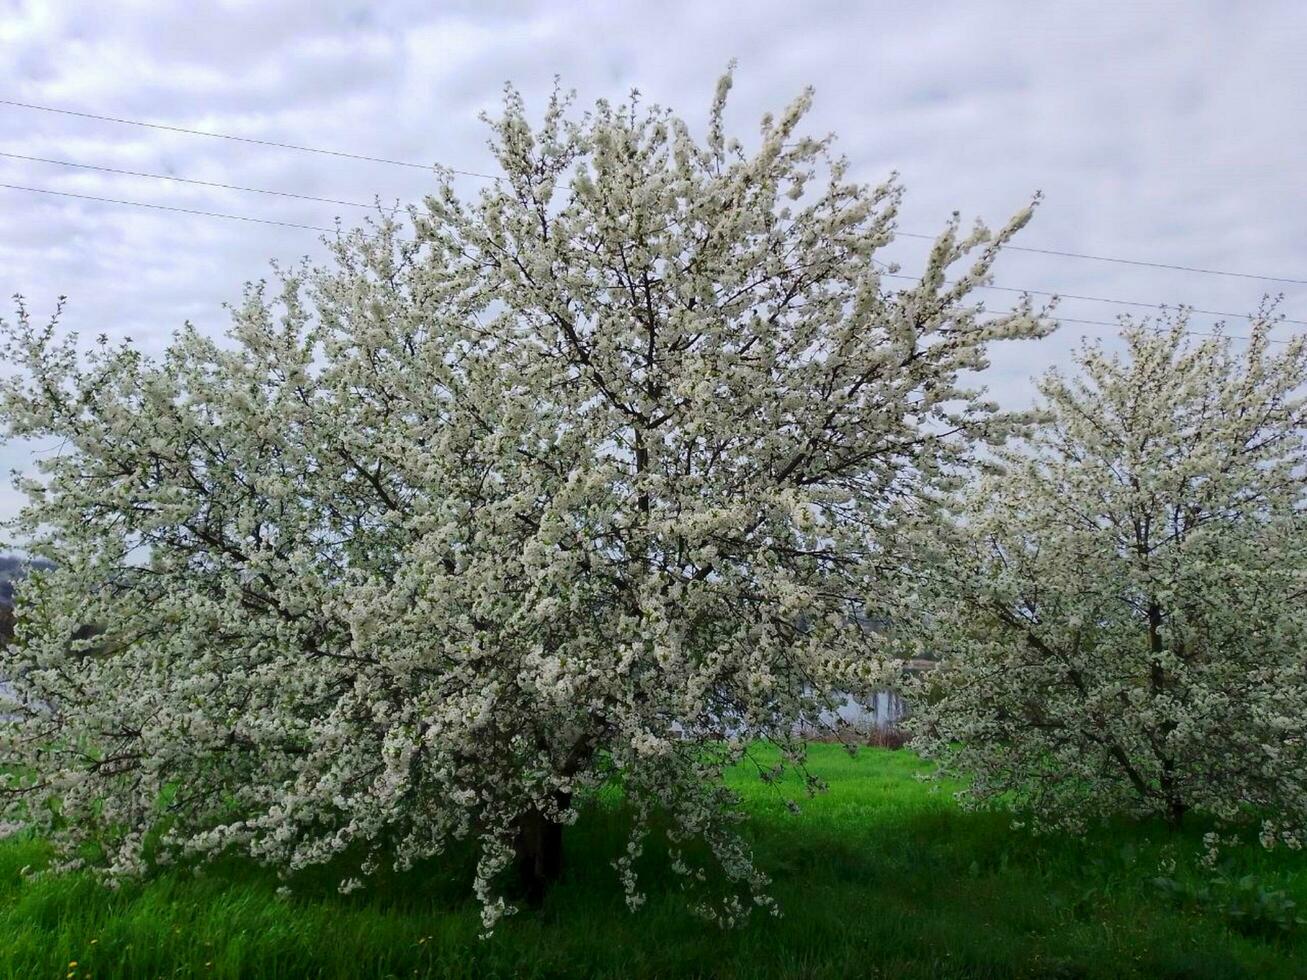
(878, 877)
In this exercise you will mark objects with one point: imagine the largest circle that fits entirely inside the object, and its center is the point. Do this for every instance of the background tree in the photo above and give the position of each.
(1119, 609)
(579, 483)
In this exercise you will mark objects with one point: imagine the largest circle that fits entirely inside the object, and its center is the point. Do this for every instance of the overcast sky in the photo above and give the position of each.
(1167, 132)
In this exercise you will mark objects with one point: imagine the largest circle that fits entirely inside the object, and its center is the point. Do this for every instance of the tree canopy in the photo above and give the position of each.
(581, 481)
(1118, 606)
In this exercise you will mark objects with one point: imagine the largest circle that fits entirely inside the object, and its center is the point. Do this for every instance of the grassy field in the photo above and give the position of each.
(877, 878)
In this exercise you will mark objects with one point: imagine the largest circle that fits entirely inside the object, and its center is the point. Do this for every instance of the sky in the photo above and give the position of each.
(1164, 132)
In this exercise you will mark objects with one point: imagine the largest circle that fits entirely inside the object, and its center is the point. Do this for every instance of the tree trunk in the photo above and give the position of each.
(539, 847)
(1175, 811)
(1175, 806)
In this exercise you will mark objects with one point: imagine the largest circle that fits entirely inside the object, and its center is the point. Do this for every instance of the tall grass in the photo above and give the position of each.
(879, 877)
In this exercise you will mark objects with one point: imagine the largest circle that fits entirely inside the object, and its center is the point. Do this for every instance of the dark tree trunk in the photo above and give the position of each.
(1175, 806)
(1175, 811)
(539, 855)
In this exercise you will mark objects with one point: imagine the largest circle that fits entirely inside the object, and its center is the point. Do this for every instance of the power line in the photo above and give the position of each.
(1130, 302)
(187, 180)
(358, 204)
(1109, 258)
(1191, 333)
(241, 139)
(473, 173)
(318, 228)
(289, 224)
(168, 207)
(1099, 299)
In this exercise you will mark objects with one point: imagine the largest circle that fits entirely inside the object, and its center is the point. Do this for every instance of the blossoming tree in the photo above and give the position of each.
(578, 483)
(1121, 613)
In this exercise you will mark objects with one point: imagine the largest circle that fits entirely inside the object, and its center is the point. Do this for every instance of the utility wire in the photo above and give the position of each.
(484, 176)
(291, 224)
(168, 207)
(1191, 333)
(187, 180)
(242, 139)
(1098, 299)
(359, 204)
(1109, 258)
(1130, 302)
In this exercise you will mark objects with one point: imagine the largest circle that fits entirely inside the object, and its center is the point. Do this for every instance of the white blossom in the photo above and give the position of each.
(583, 481)
(1119, 609)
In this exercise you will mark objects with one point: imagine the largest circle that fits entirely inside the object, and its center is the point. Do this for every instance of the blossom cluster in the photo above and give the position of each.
(1118, 607)
(584, 482)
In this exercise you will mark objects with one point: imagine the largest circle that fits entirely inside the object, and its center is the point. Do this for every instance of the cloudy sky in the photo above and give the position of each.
(1164, 132)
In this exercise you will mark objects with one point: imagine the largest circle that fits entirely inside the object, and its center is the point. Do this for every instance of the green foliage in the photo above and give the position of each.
(1252, 905)
(880, 877)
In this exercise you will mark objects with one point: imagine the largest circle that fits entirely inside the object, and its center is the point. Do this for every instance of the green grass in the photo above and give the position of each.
(879, 877)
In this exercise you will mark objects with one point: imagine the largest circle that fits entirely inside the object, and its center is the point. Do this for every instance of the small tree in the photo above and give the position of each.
(1119, 610)
(581, 483)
